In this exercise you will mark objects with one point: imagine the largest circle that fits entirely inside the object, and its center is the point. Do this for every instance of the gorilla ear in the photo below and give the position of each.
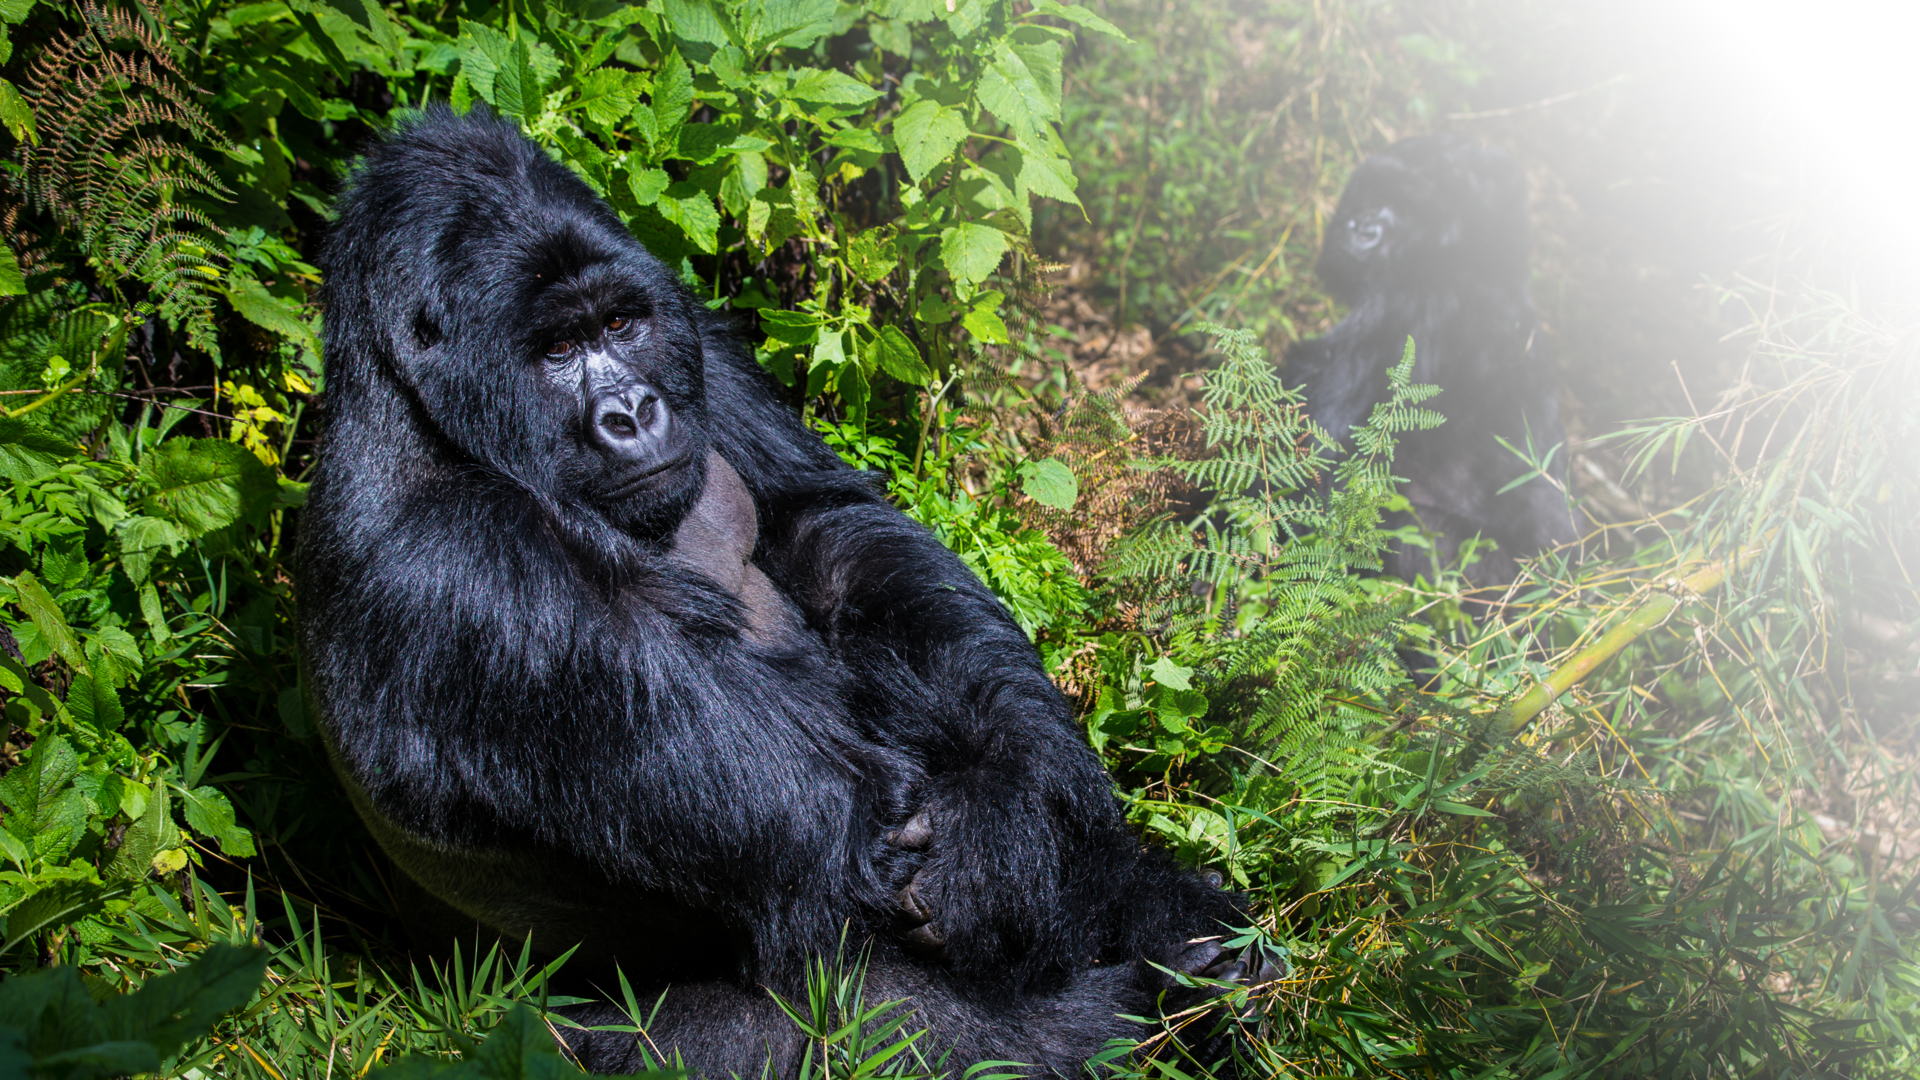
(426, 329)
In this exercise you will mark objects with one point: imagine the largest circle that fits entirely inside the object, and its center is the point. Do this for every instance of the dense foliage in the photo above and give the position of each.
(1684, 865)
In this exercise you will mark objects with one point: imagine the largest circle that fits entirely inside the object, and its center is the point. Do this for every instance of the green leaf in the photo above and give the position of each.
(1014, 93)
(925, 133)
(794, 24)
(210, 814)
(608, 95)
(695, 215)
(500, 68)
(1170, 675)
(34, 599)
(57, 905)
(16, 115)
(971, 251)
(699, 21)
(151, 833)
(28, 452)
(12, 282)
(269, 312)
(1044, 173)
(205, 484)
(170, 1009)
(1051, 483)
(898, 357)
(825, 87)
(1080, 16)
(648, 185)
(672, 101)
(93, 701)
(745, 178)
(44, 810)
(872, 254)
(983, 319)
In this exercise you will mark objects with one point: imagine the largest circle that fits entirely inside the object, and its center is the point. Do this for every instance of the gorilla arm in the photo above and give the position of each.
(941, 673)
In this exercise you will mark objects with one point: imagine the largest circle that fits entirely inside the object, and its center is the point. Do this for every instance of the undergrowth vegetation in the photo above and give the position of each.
(1650, 813)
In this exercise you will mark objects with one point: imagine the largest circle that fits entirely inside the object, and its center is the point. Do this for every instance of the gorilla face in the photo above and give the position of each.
(1424, 213)
(616, 367)
(535, 336)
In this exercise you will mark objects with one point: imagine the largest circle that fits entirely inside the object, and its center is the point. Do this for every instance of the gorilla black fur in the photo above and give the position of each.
(1430, 242)
(609, 649)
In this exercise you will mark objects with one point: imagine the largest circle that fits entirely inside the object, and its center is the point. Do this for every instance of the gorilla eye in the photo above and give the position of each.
(560, 350)
(618, 323)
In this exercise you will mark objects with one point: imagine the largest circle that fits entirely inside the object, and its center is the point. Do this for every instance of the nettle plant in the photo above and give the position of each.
(855, 172)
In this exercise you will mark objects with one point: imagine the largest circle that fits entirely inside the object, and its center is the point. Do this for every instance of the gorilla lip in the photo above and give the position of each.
(640, 480)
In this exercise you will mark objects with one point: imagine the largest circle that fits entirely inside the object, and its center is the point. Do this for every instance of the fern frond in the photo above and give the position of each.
(121, 134)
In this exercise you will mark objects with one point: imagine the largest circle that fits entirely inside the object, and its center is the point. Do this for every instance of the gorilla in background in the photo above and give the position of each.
(610, 650)
(1430, 242)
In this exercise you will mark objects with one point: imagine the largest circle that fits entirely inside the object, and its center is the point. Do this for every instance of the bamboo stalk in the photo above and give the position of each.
(1588, 660)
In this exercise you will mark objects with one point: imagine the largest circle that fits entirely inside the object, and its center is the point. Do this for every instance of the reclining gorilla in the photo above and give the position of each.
(609, 649)
(1430, 242)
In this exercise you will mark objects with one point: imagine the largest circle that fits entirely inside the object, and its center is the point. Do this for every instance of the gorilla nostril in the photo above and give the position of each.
(619, 425)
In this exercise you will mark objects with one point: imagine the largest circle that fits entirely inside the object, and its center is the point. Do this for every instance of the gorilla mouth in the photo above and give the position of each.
(645, 478)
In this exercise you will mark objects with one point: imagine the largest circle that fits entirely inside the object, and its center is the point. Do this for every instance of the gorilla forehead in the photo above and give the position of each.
(491, 221)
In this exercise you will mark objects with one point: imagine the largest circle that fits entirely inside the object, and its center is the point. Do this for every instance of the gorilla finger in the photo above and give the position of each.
(915, 835)
(913, 905)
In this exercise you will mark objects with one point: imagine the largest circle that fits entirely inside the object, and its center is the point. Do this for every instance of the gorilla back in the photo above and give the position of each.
(609, 649)
(1430, 242)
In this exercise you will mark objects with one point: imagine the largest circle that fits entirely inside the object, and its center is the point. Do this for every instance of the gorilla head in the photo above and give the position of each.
(1423, 212)
(527, 327)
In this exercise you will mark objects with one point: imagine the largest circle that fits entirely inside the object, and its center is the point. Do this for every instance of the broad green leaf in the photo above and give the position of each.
(170, 1009)
(854, 392)
(872, 254)
(16, 115)
(699, 21)
(745, 178)
(971, 251)
(93, 701)
(1051, 483)
(28, 452)
(372, 18)
(648, 185)
(983, 320)
(205, 484)
(44, 810)
(269, 312)
(1044, 173)
(209, 812)
(501, 69)
(1042, 60)
(57, 905)
(521, 1047)
(925, 133)
(825, 87)
(12, 282)
(608, 95)
(795, 24)
(47, 618)
(1013, 93)
(150, 834)
(672, 100)
(1081, 16)
(899, 358)
(695, 215)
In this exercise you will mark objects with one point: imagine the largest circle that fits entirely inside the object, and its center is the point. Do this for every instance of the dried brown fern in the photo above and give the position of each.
(1099, 434)
(119, 125)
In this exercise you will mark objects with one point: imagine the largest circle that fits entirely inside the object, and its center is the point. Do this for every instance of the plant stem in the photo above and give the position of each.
(1651, 614)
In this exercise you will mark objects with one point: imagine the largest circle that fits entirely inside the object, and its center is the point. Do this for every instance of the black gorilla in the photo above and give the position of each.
(609, 649)
(1430, 242)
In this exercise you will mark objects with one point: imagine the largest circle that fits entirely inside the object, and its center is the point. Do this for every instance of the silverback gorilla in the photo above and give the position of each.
(610, 650)
(1430, 242)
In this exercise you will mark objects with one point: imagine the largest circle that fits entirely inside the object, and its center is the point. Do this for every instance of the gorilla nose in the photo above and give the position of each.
(630, 422)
